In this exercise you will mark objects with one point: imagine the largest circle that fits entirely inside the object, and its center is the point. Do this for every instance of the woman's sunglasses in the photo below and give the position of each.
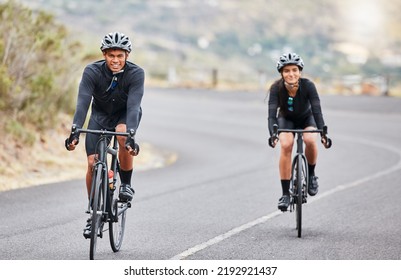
(290, 103)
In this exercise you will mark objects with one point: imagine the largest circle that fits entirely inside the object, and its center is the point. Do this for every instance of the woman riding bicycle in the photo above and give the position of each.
(294, 104)
(115, 87)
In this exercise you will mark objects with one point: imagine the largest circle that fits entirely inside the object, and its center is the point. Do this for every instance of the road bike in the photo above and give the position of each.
(299, 182)
(104, 206)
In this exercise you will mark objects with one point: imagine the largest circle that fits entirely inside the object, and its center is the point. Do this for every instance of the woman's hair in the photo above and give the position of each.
(279, 84)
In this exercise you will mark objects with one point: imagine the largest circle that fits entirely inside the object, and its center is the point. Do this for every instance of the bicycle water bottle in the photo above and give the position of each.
(111, 179)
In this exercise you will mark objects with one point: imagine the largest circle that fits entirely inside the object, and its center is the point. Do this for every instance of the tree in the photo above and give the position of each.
(37, 78)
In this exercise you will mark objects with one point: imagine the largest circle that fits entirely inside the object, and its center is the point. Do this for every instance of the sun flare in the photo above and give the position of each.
(365, 17)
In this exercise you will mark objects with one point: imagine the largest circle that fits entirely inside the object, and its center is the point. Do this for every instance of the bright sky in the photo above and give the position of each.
(365, 17)
(364, 20)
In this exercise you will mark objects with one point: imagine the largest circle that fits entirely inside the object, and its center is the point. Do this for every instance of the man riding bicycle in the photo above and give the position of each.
(115, 87)
(294, 104)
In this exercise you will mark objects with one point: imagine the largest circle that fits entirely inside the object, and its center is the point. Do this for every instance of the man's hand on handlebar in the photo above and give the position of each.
(130, 145)
(72, 141)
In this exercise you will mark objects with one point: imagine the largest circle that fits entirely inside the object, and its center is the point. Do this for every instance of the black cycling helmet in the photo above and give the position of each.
(290, 59)
(116, 40)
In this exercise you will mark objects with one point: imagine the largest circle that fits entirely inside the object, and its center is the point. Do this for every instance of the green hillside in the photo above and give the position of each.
(243, 38)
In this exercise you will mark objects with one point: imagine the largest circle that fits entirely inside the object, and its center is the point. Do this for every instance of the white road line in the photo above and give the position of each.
(234, 231)
(224, 236)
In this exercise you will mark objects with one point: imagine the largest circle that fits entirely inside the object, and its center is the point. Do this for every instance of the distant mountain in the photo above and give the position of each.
(241, 38)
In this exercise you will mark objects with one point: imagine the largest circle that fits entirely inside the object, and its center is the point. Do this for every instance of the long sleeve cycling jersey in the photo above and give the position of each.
(305, 102)
(112, 95)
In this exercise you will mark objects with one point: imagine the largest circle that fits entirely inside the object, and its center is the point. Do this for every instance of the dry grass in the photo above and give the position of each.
(47, 161)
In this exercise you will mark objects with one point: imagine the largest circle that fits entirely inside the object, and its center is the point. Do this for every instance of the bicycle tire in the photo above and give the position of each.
(298, 208)
(305, 179)
(117, 221)
(117, 228)
(96, 210)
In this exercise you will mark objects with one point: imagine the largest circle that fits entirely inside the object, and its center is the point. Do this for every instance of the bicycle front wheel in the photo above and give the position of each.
(116, 228)
(298, 207)
(117, 221)
(96, 210)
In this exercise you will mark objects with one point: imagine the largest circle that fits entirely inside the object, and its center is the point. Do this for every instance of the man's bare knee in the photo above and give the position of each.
(91, 162)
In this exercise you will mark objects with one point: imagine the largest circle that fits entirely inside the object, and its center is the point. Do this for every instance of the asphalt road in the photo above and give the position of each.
(219, 200)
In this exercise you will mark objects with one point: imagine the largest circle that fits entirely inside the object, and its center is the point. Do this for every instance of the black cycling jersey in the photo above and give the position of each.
(306, 102)
(112, 96)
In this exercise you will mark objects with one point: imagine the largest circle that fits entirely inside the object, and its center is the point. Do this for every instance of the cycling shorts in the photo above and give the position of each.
(301, 123)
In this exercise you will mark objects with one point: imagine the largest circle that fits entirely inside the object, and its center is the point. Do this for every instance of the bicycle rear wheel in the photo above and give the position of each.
(96, 210)
(117, 221)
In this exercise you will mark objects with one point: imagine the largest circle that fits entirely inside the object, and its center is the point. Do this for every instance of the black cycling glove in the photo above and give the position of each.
(73, 135)
(272, 141)
(130, 142)
(326, 141)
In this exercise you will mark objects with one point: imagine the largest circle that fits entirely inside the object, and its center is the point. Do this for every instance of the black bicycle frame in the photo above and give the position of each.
(300, 157)
(102, 161)
(300, 143)
(103, 149)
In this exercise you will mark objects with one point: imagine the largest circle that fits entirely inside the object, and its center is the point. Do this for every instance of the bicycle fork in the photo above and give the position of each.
(299, 161)
(302, 163)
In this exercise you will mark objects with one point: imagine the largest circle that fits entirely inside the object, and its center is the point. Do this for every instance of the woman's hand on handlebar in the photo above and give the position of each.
(326, 141)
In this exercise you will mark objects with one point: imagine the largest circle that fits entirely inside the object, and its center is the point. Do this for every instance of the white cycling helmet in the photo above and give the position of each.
(290, 59)
(116, 40)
